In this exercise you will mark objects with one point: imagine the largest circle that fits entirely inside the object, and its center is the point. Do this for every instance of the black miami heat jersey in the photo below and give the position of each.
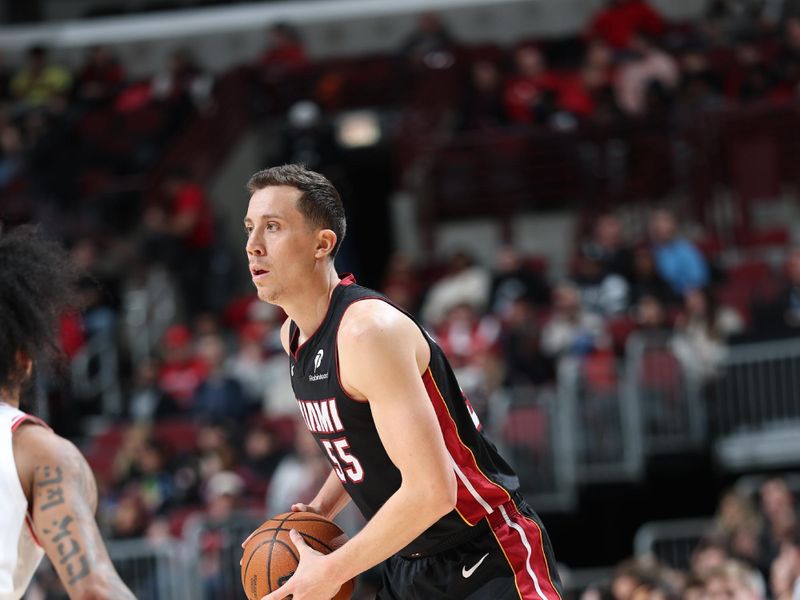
(346, 433)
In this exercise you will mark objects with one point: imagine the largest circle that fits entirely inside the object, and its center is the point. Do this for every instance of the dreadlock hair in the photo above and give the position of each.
(37, 284)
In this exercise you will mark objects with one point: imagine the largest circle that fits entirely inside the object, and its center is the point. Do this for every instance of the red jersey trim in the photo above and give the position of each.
(31, 530)
(473, 504)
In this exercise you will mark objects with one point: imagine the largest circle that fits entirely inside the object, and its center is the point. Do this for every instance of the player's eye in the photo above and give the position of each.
(247, 231)
(271, 226)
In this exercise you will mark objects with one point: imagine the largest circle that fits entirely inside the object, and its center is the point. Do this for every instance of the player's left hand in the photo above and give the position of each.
(311, 580)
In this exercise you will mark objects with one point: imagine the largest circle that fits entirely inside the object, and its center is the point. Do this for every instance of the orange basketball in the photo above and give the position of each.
(270, 558)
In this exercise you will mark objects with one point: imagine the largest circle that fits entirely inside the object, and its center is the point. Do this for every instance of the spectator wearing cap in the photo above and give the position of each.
(677, 259)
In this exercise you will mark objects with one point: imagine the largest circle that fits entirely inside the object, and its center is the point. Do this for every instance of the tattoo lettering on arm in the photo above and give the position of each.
(49, 493)
(69, 550)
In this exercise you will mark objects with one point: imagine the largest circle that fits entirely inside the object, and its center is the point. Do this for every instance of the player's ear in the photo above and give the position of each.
(326, 242)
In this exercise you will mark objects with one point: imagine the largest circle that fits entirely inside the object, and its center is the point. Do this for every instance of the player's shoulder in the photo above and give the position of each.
(35, 446)
(373, 320)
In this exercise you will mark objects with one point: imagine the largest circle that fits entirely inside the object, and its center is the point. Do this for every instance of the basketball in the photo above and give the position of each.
(270, 558)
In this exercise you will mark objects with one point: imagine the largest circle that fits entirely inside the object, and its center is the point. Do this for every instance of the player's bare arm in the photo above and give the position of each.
(62, 493)
(331, 497)
(382, 355)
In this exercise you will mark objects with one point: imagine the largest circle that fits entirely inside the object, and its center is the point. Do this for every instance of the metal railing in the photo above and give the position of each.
(163, 570)
(537, 438)
(755, 406)
(670, 406)
(671, 542)
(604, 416)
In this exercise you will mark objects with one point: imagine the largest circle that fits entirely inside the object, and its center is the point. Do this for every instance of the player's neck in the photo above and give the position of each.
(10, 397)
(309, 307)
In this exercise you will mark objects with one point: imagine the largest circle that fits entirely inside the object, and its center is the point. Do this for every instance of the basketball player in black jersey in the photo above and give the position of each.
(380, 398)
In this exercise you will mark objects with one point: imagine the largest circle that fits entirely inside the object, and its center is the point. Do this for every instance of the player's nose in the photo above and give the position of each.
(254, 247)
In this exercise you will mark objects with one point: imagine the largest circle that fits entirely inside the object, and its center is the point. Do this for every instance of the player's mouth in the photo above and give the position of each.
(258, 273)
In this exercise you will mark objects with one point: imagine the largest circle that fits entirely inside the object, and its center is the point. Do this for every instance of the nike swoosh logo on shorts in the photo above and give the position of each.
(467, 573)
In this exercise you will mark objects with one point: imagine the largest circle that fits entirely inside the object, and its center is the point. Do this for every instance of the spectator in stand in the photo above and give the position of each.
(789, 59)
(246, 365)
(521, 341)
(401, 284)
(607, 246)
(465, 283)
(620, 20)
(781, 520)
(430, 45)
(152, 476)
(219, 396)
(589, 93)
(702, 331)
(734, 580)
(647, 78)
(284, 57)
(780, 317)
(514, 280)
(182, 371)
(784, 579)
(11, 147)
(100, 79)
(701, 85)
(482, 106)
(752, 78)
(530, 92)
(739, 526)
(129, 517)
(603, 293)
(652, 324)
(261, 455)
(183, 88)
(147, 402)
(678, 260)
(646, 281)
(223, 494)
(40, 82)
(298, 475)
(182, 231)
(709, 554)
(571, 330)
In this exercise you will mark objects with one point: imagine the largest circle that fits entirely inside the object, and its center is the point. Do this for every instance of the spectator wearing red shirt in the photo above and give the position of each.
(182, 371)
(100, 78)
(182, 228)
(621, 19)
(285, 55)
(529, 91)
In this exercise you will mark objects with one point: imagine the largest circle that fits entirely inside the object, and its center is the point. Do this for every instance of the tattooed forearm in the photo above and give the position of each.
(70, 554)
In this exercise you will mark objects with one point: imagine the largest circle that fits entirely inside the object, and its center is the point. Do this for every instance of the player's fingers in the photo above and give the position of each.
(298, 542)
(285, 591)
(300, 507)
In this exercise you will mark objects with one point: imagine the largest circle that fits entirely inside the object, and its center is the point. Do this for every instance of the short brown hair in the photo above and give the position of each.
(319, 203)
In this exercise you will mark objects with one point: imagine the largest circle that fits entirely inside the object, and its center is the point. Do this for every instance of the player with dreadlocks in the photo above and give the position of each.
(48, 492)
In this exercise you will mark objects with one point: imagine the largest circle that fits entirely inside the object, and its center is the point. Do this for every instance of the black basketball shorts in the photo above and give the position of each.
(512, 560)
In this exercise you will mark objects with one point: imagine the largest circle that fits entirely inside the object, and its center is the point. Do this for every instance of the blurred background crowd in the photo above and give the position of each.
(177, 388)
